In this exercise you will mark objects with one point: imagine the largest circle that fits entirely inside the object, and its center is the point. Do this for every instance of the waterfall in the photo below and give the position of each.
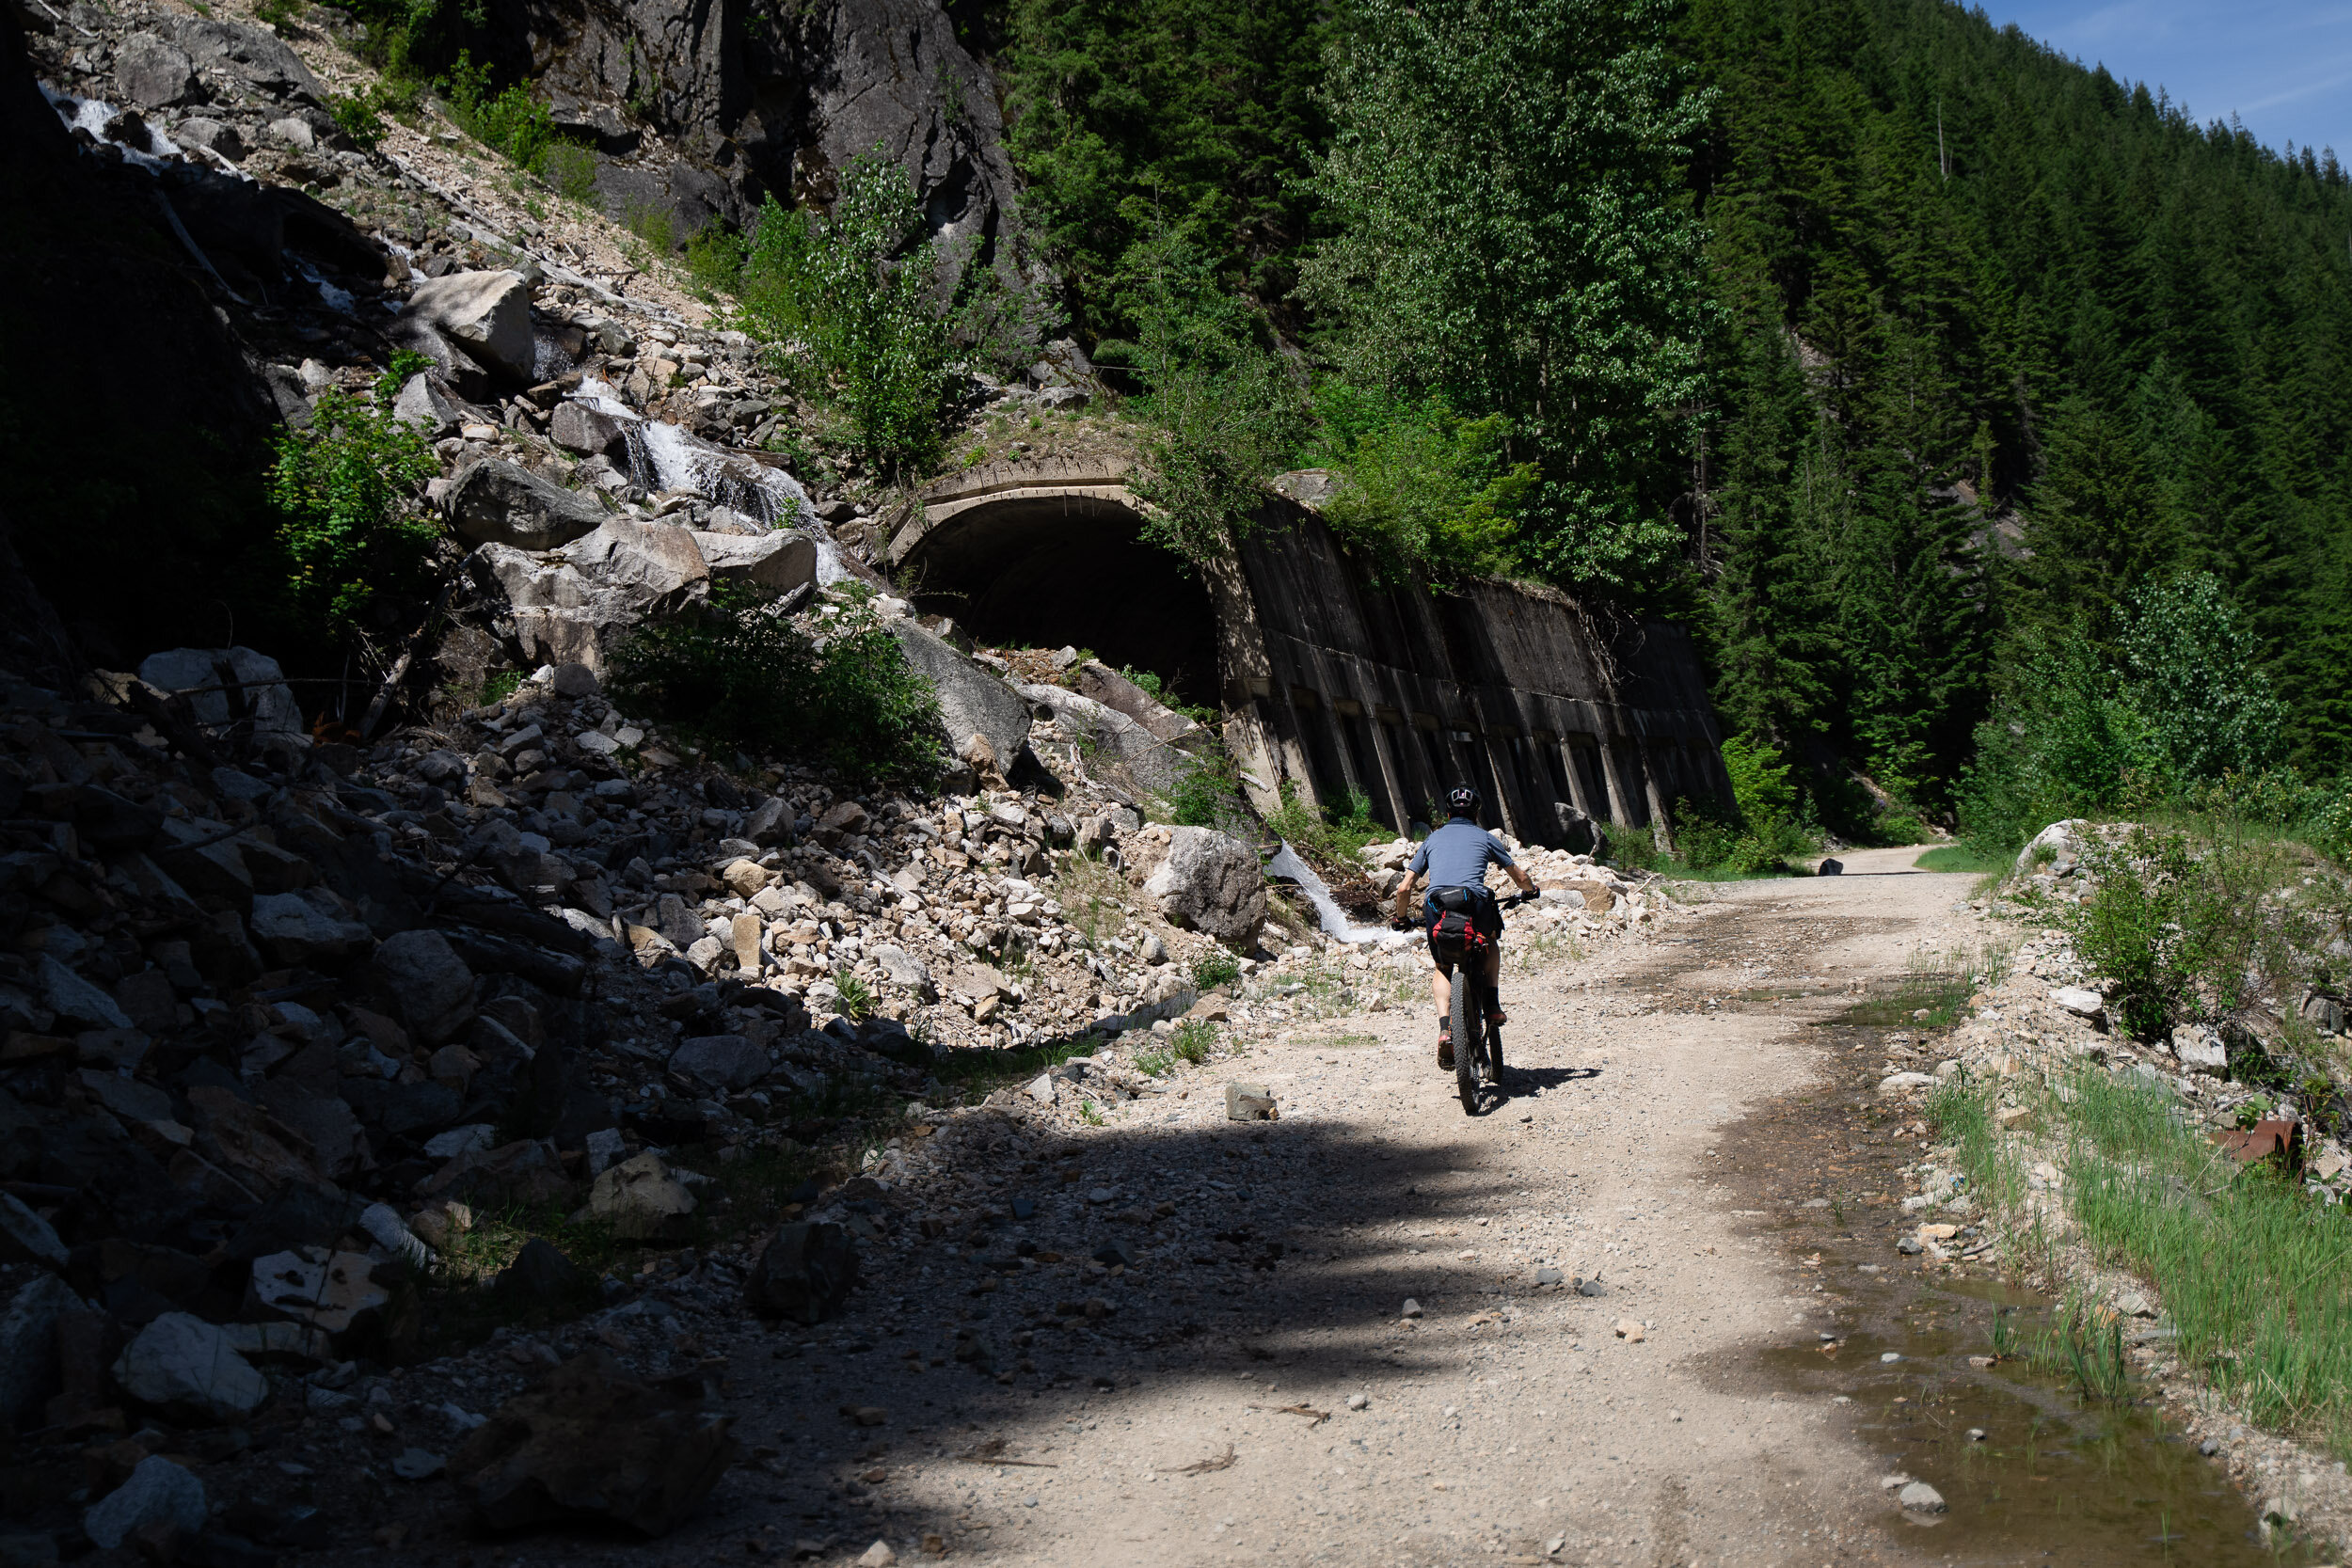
(664, 456)
(1329, 914)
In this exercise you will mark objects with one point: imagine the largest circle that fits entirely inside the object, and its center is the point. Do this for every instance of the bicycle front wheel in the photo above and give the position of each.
(1469, 1037)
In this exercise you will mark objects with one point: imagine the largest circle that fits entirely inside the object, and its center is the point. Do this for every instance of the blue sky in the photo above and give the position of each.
(2283, 67)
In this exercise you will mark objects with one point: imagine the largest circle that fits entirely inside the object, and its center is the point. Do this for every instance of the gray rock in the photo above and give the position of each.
(430, 982)
(1410, 1310)
(227, 685)
(28, 1344)
(543, 1276)
(591, 432)
(487, 314)
(2199, 1048)
(1109, 739)
(574, 681)
(181, 1362)
(1041, 1089)
(781, 559)
(382, 1222)
(2059, 843)
(1919, 1498)
(306, 927)
(904, 970)
(297, 133)
(575, 605)
(641, 1199)
(420, 404)
(1248, 1102)
(1211, 882)
(251, 56)
(805, 1274)
(973, 702)
(1112, 690)
(497, 502)
(25, 1236)
(74, 1000)
(157, 1492)
(722, 1061)
(2081, 1002)
(210, 133)
(154, 74)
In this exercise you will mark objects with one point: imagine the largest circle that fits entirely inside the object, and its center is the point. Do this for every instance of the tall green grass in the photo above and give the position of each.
(2255, 1277)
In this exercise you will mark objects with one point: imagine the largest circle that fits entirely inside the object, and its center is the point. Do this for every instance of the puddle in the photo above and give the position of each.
(2054, 1476)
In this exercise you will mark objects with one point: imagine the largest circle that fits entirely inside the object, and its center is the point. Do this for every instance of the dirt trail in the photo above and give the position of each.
(1509, 1416)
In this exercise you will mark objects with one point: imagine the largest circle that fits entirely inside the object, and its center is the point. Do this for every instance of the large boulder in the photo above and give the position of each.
(487, 314)
(233, 53)
(722, 1061)
(1112, 742)
(1112, 690)
(225, 685)
(575, 606)
(306, 927)
(782, 559)
(590, 432)
(157, 1492)
(642, 1200)
(180, 1362)
(803, 1275)
(975, 704)
(2060, 846)
(431, 983)
(594, 1444)
(154, 74)
(1203, 881)
(497, 502)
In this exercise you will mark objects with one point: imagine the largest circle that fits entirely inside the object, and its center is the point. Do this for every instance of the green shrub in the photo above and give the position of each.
(654, 223)
(1151, 685)
(1207, 794)
(847, 306)
(714, 258)
(1330, 837)
(1425, 491)
(569, 170)
(1194, 1039)
(357, 117)
(2184, 931)
(278, 16)
(1213, 969)
(745, 675)
(510, 122)
(347, 532)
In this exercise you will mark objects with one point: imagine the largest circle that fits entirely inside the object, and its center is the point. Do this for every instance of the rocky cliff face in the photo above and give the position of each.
(756, 99)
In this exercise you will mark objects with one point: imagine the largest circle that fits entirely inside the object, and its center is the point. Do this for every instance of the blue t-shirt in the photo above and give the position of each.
(1458, 854)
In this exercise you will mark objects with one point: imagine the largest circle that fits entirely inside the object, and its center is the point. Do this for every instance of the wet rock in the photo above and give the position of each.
(157, 1493)
(575, 606)
(431, 984)
(210, 133)
(543, 1277)
(642, 1199)
(805, 1274)
(1919, 1498)
(1209, 882)
(779, 561)
(497, 502)
(591, 432)
(181, 1362)
(594, 1443)
(487, 314)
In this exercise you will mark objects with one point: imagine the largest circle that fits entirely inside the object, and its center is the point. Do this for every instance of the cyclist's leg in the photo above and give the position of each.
(1494, 984)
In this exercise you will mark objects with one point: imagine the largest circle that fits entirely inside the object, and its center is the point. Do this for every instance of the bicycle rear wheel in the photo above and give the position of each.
(1494, 1038)
(1469, 1037)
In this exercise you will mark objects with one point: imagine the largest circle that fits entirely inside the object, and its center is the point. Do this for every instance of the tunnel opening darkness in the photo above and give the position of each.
(1066, 571)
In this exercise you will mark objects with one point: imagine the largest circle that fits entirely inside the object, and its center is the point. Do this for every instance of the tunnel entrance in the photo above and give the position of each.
(1050, 571)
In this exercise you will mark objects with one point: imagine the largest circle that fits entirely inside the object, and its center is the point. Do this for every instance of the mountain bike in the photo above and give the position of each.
(1477, 1042)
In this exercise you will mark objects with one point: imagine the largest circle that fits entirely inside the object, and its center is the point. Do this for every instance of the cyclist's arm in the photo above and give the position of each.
(1405, 896)
(1527, 884)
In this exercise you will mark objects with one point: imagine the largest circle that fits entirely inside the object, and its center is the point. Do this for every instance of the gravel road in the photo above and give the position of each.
(1253, 1392)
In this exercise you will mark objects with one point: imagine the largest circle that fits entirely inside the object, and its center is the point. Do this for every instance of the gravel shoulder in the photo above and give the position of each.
(1266, 1401)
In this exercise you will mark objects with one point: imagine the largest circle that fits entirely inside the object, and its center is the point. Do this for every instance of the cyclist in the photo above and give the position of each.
(1456, 855)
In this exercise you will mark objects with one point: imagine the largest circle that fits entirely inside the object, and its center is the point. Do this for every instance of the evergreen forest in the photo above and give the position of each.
(1986, 415)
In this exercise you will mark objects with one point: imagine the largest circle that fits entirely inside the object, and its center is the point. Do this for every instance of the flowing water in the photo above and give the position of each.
(1329, 914)
(664, 456)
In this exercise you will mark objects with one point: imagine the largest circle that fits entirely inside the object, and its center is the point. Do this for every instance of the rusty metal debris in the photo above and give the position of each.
(2273, 1138)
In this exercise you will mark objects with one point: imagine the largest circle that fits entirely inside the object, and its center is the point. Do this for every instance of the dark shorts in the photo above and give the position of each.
(1485, 918)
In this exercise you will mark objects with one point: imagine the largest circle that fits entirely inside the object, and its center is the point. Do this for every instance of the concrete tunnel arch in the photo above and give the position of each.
(1048, 554)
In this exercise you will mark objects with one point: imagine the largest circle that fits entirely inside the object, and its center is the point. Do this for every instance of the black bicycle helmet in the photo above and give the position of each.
(1462, 801)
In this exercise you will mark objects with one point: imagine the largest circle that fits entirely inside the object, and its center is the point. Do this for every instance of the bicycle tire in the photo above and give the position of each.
(1469, 1037)
(1494, 1040)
